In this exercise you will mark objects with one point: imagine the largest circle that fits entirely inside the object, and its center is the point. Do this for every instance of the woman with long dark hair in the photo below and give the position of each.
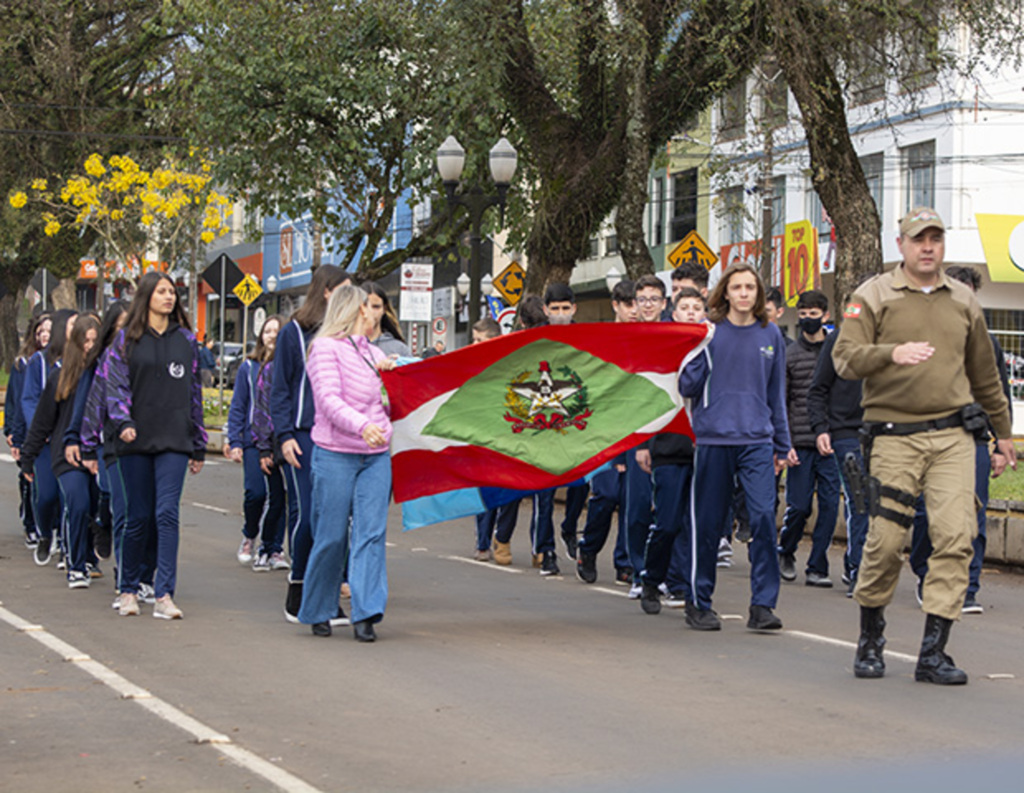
(291, 412)
(53, 416)
(263, 503)
(384, 330)
(99, 458)
(37, 336)
(45, 490)
(155, 406)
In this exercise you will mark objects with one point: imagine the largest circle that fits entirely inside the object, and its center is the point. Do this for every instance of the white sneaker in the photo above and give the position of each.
(262, 564)
(278, 562)
(129, 605)
(78, 580)
(635, 590)
(147, 594)
(245, 550)
(164, 609)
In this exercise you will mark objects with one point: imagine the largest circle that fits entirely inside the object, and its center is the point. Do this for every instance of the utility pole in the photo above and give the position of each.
(767, 166)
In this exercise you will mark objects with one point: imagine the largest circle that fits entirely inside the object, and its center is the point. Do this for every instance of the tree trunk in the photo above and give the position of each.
(65, 295)
(9, 341)
(836, 171)
(629, 218)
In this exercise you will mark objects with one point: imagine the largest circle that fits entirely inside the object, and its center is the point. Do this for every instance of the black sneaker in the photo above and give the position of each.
(293, 602)
(919, 591)
(41, 553)
(850, 586)
(321, 629)
(650, 599)
(549, 565)
(972, 606)
(624, 576)
(102, 540)
(675, 600)
(763, 618)
(571, 545)
(818, 580)
(702, 619)
(339, 619)
(742, 532)
(586, 568)
(787, 567)
(31, 540)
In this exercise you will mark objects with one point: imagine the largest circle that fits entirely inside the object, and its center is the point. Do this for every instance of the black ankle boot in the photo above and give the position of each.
(869, 662)
(933, 665)
(293, 602)
(363, 631)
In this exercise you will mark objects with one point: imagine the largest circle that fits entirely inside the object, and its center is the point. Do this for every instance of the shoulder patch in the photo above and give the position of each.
(852, 310)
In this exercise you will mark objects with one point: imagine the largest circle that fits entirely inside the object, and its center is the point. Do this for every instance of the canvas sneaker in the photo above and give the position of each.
(147, 594)
(262, 564)
(278, 562)
(78, 580)
(93, 570)
(41, 553)
(245, 551)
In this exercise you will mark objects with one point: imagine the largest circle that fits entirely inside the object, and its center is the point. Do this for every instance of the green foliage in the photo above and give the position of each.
(333, 109)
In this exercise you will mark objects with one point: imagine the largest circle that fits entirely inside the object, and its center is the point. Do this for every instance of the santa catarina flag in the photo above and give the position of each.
(535, 409)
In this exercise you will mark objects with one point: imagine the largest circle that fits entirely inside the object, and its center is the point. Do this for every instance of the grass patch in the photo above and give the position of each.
(1010, 485)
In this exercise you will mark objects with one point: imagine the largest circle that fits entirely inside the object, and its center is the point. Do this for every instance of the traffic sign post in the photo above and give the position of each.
(510, 283)
(693, 249)
(506, 319)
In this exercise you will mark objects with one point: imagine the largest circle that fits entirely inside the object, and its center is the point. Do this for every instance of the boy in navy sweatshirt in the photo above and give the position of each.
(739, 418)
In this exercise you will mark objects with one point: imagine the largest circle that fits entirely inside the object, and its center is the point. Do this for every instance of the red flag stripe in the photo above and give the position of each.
(418, 472)
(633, 347)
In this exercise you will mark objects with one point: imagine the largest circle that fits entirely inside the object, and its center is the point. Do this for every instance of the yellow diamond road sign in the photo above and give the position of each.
(510, 283)
(693, 249)
(248, 289)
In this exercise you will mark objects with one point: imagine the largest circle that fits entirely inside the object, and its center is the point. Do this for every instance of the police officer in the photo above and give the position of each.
(919, 342)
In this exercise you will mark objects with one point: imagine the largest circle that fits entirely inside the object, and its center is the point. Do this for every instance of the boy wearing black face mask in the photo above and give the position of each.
(815, 470)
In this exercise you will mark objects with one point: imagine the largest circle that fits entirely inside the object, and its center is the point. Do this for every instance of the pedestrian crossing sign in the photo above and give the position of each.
(247, 290)
(693, 249)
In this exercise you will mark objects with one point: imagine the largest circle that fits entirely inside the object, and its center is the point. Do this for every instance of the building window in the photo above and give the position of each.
(873, 166)
(918, 166)
(732, 112)
(657, 212)
(774, 97)
(778, 205)
(732, 215)
(684, 203)
(593, 248)
(818, 217)
(611, 245)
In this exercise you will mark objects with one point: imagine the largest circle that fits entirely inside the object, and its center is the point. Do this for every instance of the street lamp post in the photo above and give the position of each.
(451, 158)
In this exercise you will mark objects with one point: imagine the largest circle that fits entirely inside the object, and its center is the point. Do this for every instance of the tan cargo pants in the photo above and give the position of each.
(940, 465)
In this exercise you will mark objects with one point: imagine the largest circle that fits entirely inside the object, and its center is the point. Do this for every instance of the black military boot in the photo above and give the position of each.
(869, 662)
(933, 665)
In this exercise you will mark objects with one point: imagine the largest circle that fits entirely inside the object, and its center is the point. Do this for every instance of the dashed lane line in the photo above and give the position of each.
(127, 690)
(211, 508)
(803, 635)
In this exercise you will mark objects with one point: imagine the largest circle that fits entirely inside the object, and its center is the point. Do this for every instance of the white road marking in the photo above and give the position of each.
(212, 508)
(200, 732)
(622, 593)
(814, 637)
(464, 560)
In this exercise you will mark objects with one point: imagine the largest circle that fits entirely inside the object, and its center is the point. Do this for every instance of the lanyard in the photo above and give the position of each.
(383, 392)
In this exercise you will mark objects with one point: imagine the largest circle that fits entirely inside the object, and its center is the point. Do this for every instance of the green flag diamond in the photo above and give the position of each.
(550, 405)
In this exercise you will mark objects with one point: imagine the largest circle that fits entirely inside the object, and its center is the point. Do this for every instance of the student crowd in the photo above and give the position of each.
(105, 417)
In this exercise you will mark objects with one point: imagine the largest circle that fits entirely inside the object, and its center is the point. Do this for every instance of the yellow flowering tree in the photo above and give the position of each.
(139, 214)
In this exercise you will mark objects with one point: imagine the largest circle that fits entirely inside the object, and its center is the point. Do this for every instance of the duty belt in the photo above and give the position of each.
(876, 428)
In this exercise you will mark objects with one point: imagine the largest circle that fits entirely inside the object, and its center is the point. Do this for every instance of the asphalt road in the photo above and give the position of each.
(483, 678)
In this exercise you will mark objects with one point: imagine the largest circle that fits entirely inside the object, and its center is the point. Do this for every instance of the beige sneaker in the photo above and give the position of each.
(503, 553)
(129, 606)
(538, 560)
(164, 609)
(346, 591)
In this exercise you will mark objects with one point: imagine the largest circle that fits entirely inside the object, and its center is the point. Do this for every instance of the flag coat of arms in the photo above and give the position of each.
(532, 410)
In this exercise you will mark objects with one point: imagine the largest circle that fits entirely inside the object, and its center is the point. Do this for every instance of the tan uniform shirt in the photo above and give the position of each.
(888, 311)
